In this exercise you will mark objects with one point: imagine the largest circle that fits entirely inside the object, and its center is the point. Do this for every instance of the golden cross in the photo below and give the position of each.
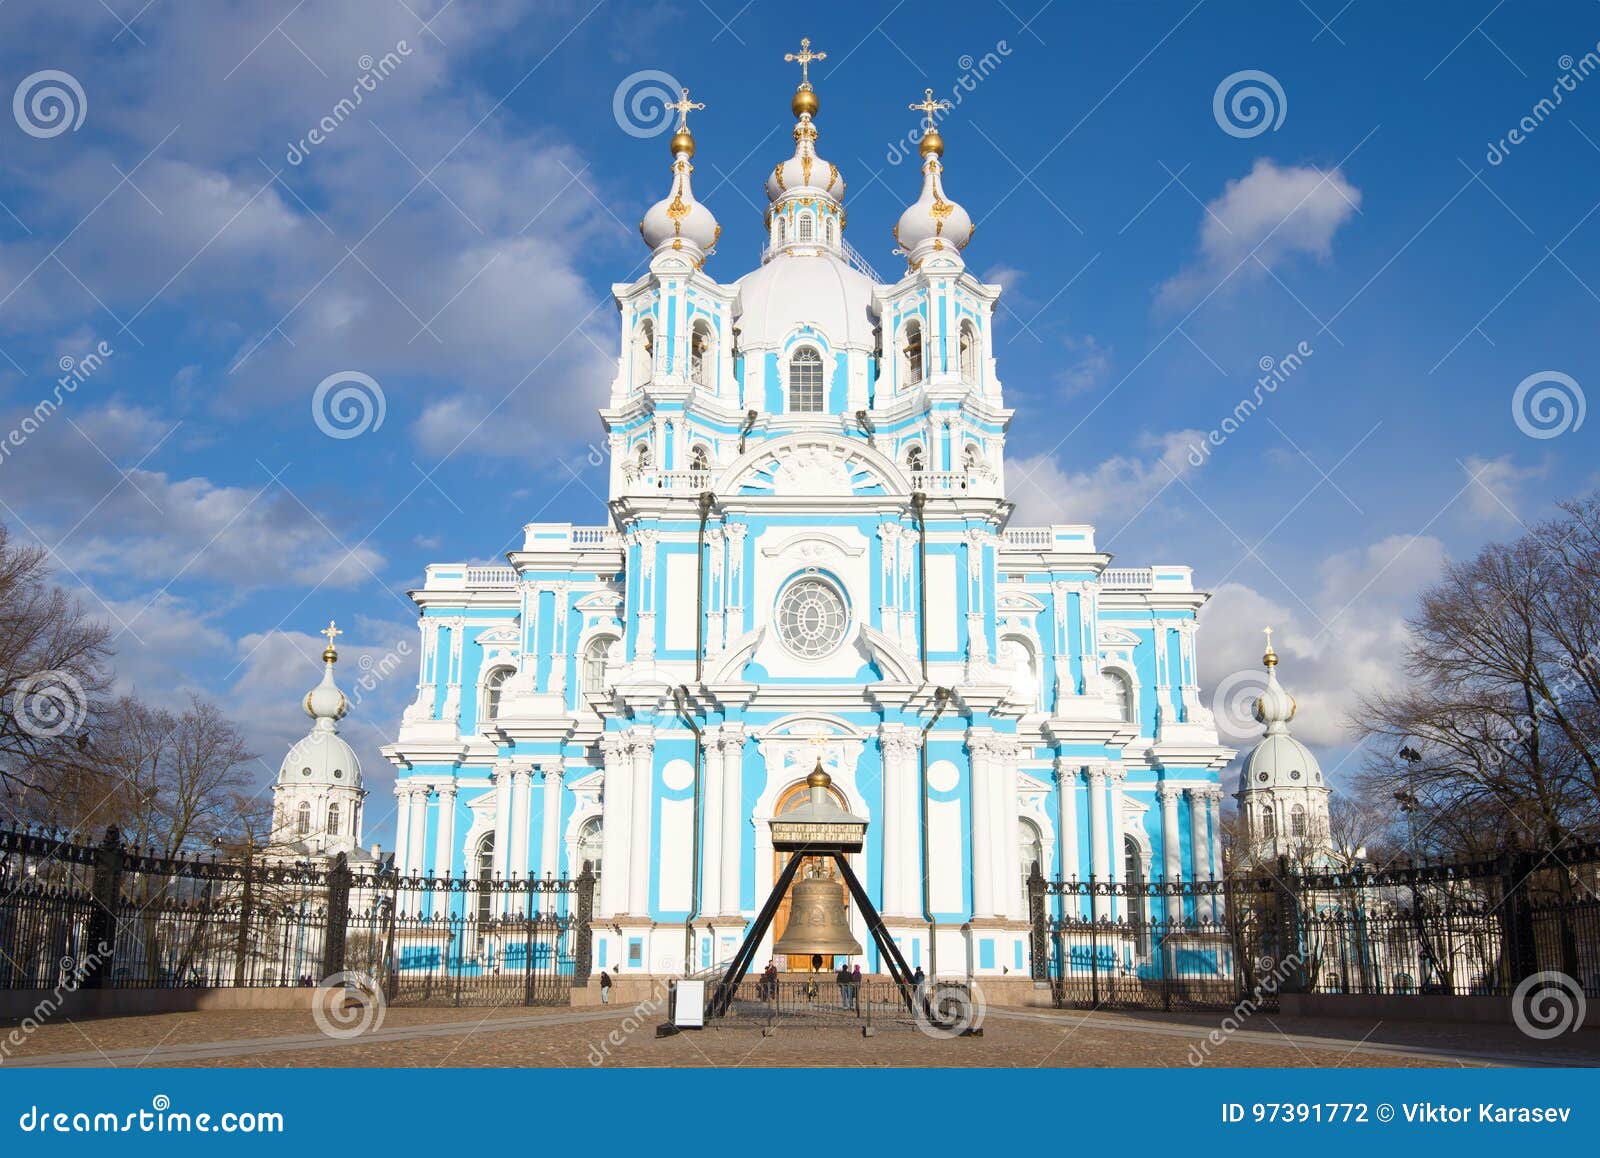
(804, 58)
(1268, 632)
(928, 106)
(330, 631)
(683, 106)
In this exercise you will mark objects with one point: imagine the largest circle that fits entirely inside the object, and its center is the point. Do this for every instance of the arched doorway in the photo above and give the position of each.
(824, 865)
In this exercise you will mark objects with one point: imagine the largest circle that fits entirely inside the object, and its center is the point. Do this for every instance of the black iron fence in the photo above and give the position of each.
(1460, 928)
(76, 915)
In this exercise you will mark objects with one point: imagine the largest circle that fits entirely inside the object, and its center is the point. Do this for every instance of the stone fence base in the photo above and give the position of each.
(1412, 1007)
(21, 1004)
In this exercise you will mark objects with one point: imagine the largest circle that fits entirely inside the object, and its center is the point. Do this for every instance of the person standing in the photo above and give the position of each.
(605, 988)
(855, 987)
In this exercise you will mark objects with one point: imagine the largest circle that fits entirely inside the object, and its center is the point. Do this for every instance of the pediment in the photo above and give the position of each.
(813, 466)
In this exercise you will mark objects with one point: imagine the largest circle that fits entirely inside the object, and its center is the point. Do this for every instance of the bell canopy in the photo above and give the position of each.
(1279, 760)
(322, 756)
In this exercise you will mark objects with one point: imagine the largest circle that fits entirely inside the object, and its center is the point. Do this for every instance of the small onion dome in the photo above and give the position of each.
(322, 757)
(935, 222)
(805, 172)
(678, 221)
(1274, 707)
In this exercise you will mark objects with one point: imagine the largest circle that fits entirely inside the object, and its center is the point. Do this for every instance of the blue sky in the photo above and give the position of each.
(456, 237)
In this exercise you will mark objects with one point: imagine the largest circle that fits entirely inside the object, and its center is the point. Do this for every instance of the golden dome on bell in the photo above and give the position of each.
(819, 778)
(805, 101)
(682, 142)
(932, 143)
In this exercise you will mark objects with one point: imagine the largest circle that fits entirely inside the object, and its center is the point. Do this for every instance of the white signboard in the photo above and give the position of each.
(689, 1008)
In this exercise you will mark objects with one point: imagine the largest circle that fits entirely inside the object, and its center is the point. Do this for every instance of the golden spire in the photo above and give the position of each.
(1271, 657)
(932, 142)
(329, 655)
(805, 102)
(682, 141)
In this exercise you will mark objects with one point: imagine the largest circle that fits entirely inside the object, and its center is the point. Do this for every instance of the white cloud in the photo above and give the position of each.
(1494, 494)
(1346, 638)
(1117, 488)
(1260, 221)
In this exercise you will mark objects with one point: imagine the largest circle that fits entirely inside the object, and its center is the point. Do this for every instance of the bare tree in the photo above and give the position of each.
(52, 675)
(1500, 720)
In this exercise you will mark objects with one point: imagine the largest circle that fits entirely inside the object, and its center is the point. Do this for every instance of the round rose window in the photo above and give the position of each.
(811, 618)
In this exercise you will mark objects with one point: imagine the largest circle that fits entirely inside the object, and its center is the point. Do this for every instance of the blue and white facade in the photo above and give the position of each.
(808, 557)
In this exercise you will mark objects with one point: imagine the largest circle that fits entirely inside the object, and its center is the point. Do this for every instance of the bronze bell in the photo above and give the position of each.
(817, 921)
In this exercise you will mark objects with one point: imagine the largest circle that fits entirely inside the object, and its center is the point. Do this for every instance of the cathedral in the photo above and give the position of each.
(807, 558)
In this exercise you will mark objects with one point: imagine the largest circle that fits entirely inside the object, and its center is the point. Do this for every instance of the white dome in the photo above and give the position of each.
(679, 221)
(815, 289)
(1281, 761)
(934, 222)
(805, 172)
(321, 758)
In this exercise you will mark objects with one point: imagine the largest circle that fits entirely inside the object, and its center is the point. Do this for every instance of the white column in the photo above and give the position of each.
(711, 840)
(402, 825)
(1199, 848)
(910, 806)
(639, 851)
(417, 854)
(502, 820)
(1016, 902)
(1116, 774)
(1066, 819)
(1099, 861)
(893, 748)
(550, 832)
(1171, 846)
(733, 817)
(1214, 795)
(980, 750)
(444, 846)
(614, 801)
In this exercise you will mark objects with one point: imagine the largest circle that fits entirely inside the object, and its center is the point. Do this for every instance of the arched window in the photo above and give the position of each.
(1138, 899)
(1297, 820)
(914, 463)
(1122, 693)
(832, 232)
(302, 819)
(333, 820)
(644, 346)
(911, 353)
(589, 845)
(969, 353)
(1030, 853)
(971, 457)
(492, 684)
(596, 656)
(805, 380)
(1269, 824)
(803, 231)
(699, 459)
(485, 867)
(699, 353)
(641, 456)
(1016, 657)
(783, 231)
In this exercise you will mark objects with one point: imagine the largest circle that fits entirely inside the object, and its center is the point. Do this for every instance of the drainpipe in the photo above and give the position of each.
(919, 503)
(941, 698)
(707, 501)
(680, 699)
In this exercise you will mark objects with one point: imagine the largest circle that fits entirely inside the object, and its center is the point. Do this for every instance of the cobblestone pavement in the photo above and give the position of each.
(567, 1037)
